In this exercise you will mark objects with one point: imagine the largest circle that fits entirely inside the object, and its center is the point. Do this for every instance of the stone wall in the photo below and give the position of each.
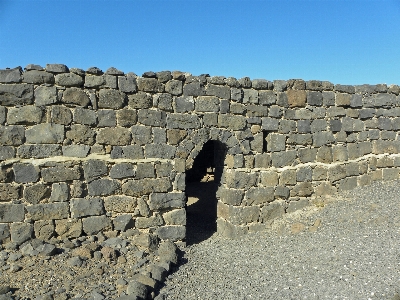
(83, 152)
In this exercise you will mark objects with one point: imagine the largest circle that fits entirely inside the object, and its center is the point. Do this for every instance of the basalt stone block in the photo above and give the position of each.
(303, 126)
(236, 94)
(261, 84)
(120, 204)
(250, 96)
(61, 115)
(163, 101)
(114, 136)
(33, 194)
(48, 211)
(183, 104)
(382, 146)
(75, 96)
(61, 174)
(262, 160)
(25, 173)
(81, 207)
(68, 228)
(145, 170)
(111, 99)
(38, 151)
(59, 192)
(207, 104)
(182, 121)
(299, 139)
(269, 178)
(219, 91)
(57, 68)
(193, 89)
(283, 158)
(296, 98)
(259, 195)
(85, 116)
(44, 230)
(75, 150)
(323, 138)
(320, 173)
(69, 79)
(45, 133)
(159, 151)
(171, 232)
(4, 232)
(276, 142)
(45, 95)
(267, 97)
(238, 215)
(175, 217)
(95, 224)
(174, 87)
(288, 177)
(38, 77)
(304, 174)
(270, 124)
(7, 152)
(81, 134)
(94, 81)
(106, 118)
(10, 75)
(9, 191)
(93, 169)
(131, 152)
(302, 189)
(21, 232)
(272, 211)
(241, 180)
(16, 94)
(161, 201)
(324, 154)
(103, 187)
(123, 170)
(126, 117)
(307, 154)
(230, 196)
(339, 153)
(343, 99)
(148, 85)
(346, 184)
(336, 173)
(127, 84)
(11, 213)
(152, 117)
(255, 110)
(123, 222)
(12, 135)
(352, 169)
(232, 122)
(147, 222)
(141, 134)
(282, 192)
(282, 100)
(318, 125)
(146, 186)
(140, 100)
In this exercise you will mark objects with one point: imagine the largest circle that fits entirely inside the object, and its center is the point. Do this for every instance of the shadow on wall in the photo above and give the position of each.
(202, 182)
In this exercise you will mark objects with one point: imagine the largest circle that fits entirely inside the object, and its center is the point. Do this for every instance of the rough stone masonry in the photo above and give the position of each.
(83, 152)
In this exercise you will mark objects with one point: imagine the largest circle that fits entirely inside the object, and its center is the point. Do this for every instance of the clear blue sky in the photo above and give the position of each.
(347, 42)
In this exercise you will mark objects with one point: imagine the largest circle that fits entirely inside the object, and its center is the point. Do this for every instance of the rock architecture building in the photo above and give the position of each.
(83, 152)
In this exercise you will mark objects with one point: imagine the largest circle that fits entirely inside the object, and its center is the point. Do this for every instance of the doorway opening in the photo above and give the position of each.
(202, 182)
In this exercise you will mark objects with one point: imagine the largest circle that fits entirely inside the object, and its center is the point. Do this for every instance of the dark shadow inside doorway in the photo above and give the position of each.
(202, 182)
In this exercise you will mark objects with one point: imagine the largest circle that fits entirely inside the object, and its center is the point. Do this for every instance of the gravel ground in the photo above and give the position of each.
(346, 247)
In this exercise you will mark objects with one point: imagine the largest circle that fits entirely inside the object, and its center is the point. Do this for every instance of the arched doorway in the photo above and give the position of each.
(202, 182)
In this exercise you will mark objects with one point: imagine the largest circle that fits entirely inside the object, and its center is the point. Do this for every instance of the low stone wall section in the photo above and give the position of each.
(83, 152)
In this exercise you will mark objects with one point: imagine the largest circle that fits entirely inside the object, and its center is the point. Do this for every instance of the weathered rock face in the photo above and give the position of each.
(82, 153)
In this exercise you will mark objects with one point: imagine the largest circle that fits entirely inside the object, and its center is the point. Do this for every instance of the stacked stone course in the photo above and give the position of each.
(83, 152)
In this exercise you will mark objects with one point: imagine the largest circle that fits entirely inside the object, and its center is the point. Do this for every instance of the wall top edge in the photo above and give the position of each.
(164, 76)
